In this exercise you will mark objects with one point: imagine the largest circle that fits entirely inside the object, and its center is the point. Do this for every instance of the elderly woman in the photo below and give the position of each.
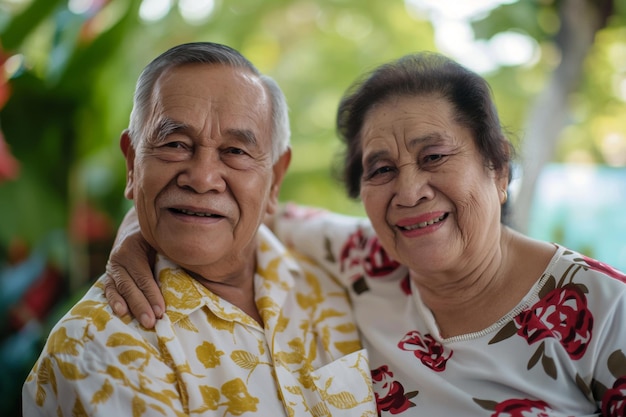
(461, 315)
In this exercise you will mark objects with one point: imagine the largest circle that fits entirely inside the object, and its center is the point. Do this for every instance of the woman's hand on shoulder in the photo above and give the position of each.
(130, 284)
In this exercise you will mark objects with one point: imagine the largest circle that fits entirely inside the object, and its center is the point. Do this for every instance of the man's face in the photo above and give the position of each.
(202, 180)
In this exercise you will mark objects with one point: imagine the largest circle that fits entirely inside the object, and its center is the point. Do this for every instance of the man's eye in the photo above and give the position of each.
(175, 145)
(169, 145)
(235, 151)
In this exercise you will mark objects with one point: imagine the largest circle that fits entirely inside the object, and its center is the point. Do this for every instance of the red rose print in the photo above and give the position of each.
(426, 349)
(406, 285)
(607, 269)
(614, 399)
(521, 408)
(366, 255)
(562, 314)
(389, 393)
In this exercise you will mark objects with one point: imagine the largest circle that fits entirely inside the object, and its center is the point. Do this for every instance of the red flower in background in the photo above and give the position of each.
(89, 224)
(9, 167)
(5, 88)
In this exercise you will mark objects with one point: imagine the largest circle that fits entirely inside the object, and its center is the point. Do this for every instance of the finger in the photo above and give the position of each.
(145, 281)
(115, 300)
(128, 294)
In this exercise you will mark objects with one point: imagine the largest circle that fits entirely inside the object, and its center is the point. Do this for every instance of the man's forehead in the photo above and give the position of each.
(216, 83)
(210, 73)
(196, 94)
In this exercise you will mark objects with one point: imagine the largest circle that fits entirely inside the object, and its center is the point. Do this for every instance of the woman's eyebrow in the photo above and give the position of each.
(371, 158)
(430, 138)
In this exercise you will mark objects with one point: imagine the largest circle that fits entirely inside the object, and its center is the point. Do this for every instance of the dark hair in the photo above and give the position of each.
(425, 73)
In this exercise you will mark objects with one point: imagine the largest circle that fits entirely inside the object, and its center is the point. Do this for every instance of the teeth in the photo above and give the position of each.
(424, 224)
(193, 213)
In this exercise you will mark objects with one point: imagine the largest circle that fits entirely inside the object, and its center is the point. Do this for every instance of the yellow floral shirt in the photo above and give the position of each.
(206, 357)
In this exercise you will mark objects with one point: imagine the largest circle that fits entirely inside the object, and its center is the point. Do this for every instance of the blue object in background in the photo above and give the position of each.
(582, 207)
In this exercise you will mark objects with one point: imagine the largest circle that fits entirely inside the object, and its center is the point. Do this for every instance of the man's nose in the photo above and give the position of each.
(204, 172)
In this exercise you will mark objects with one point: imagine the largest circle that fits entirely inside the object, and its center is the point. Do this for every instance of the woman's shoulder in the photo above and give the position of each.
(586, 265)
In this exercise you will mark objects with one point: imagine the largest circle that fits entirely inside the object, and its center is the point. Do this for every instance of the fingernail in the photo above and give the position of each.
(144, 319)
(117, 308)
(157, 311)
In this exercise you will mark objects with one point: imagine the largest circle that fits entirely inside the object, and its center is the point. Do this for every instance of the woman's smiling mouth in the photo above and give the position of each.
(422, 225)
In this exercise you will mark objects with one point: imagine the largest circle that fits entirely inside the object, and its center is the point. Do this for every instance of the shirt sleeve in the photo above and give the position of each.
(609, 376)
(86, 371)
(321, 235)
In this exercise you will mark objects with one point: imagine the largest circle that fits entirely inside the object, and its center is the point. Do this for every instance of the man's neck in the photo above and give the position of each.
(237, 289)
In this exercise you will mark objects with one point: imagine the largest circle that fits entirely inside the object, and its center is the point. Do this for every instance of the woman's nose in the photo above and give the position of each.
(412, 186)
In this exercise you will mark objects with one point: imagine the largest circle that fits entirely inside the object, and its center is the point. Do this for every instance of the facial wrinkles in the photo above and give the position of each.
(212, 110)
(477, 216)
(232, 101)
(382, 141)
(408, 128)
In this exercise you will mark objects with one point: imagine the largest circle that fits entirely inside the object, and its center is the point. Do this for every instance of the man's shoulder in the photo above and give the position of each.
(90, 320)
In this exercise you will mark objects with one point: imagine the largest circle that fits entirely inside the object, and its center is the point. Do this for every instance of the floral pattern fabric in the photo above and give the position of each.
(560, 352)
(206, 357)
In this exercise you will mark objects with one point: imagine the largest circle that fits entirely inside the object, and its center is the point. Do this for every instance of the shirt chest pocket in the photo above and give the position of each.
(343, 387)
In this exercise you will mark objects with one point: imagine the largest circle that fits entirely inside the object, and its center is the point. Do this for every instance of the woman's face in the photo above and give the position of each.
(433, 202)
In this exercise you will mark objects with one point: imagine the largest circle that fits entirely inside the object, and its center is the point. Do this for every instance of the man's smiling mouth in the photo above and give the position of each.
(195, 213)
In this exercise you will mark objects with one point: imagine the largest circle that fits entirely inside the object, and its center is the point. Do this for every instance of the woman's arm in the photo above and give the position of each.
(130, 282)
(323, 236)
(335, 241)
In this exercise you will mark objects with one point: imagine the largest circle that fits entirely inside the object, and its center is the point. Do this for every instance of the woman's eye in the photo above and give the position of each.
(379, 172)
(433, 158)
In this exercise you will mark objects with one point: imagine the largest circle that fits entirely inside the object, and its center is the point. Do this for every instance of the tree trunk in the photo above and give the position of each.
(580, 20)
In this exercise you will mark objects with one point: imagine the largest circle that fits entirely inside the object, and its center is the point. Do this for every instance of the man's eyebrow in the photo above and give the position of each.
(166, 127)
(244, 136)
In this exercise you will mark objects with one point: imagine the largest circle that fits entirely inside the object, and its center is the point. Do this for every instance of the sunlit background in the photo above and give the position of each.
(67, 74)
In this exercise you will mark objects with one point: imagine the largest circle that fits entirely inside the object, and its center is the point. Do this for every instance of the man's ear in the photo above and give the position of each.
(280, 169)
(129, 153)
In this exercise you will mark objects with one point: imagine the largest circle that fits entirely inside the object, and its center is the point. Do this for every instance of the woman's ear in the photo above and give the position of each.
(280, 169)
(129, 153)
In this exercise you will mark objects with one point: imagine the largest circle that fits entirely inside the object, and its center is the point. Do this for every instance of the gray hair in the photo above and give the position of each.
(212, 54)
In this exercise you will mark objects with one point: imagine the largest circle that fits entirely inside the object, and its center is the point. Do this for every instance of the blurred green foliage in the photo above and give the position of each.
(72, 93)
(71, 77)
(72, 96)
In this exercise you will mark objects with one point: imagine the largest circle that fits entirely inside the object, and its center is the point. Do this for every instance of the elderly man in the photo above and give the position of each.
(249, 329)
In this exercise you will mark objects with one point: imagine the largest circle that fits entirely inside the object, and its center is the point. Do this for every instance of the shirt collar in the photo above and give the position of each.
(275, 273)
